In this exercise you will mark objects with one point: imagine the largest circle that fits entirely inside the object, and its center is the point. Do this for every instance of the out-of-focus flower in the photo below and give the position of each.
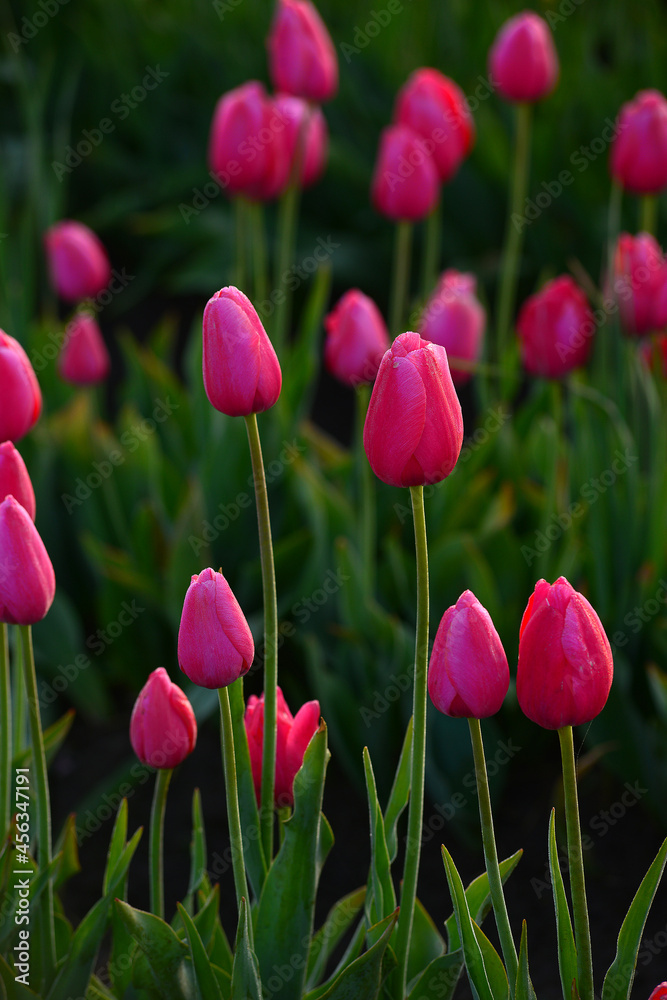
(14, 478)
(555, 328)
(78, 263)
(455, 318)
(523, 63)
(19, 390)
(640, 282)
(302, 57)
(163, 728)
(84, 358)
(405, 182)
(356, 340)
(435, 108)
(27, 580)
(638, 154)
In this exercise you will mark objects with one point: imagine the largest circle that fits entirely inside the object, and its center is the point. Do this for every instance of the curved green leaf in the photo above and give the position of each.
(438, 980)
(252, 845)
(382, 900)
(471, 949)
(524, 987)
(426, 942)
(245, 974)
(206, 980)
(165, 953)
(364, 977)
(399, 795)
(478, 896)
(338, 921)
(567, 950)
(493, 963)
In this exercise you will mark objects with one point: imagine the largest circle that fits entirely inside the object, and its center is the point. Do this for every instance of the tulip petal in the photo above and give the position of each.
(395, 419)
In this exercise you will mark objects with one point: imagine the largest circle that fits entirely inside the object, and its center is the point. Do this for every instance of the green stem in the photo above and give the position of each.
(401, 278)
(431, 250)
(610, 371)
(5, 732)
(156, 850)
(288, 213)
(18, 690)
(582, 933)
(416, 806)
(648, 214)
(367, 523)
(258, 253)
(232, 793)
(491, 855)
(240, 220)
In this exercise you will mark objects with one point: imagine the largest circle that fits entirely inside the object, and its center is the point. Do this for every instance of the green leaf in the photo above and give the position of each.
(426, 942)
(165, 953)
(68, 850)
(219, 951)
(493, 963)
(363, 978)
(197, 852)
(116, 845)
(567, 950)
(245, 974)
(382, 900)
(399, 795)
(13, 990)
(206, 980)
(54, 737)
(439, 979)
(252, 842)
(618, 981)
(338, 921)
(74, 975)
(471, 949)
(206, 919)
(478, 896)
(524, 987)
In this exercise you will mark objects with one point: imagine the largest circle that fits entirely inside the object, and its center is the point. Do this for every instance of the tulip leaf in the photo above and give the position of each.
(74, 974)
(116, 845)
(618, 981)
(426, 942)
(381, 901)
(12, 987)
(399, 795)
(524, 988)
(478, 896)
(252, 845)
(164, 951)
(493, 963)
(206, 980)
(245, 974)
(351, 953)
(365, 975)
(54, 737)
(218, 948)
(439, 979)
(198, 872)
(471, 950)
(567, 949)
(338, 921)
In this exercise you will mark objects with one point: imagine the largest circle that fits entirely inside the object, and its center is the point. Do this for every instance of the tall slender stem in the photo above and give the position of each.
(288, 213)
(162, 779)
(491, 855)
(232, 793)
(18, 692)
(240, 222)
(431, 257)
(5, 732)
(575, 856)
(258, 253)
(270, 637)
(648, 213)
(367, 523)
(401, 277)
(416, 807)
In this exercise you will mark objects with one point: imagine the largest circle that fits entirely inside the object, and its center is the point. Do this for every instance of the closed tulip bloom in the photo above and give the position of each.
(19, 390)
(468, 676)
(435, 107)
(78, 263)
(357, 338)
(294, 111)
(638, 155)
(555, 328)
(292, 738)
(523, 64)
(414, 425)
(455, 319)
(246, 141)
(405, 182)
(84, 358)
(302, 57)
(27, 580)
(163, 728)
(640, 277)
(215, 645)
(565, 663)
(660, 992)
(241, 371)
(14, 478)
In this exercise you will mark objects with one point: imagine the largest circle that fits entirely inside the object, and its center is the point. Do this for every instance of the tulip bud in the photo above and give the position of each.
(163, 728)
(292, 737)
(298, 115)
(27, 580)
(468, 676)
(660, 992)
(565, 663)
(356, 340)
(84, 359)
(78, 263)
(639, 279)
(638, 154)
(523, 64)
(435, 108)
(19, 390)
(14, 478)
(555, 327)
(455, 319)
(241, 371)
(215, 645)
(405, 182)
(302, 58)
(414, 425)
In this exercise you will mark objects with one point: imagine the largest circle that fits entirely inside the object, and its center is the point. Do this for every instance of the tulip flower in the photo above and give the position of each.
(357, 338)
(19, 390)
(27, 580)
(294, 112)
(215, 644)
(565, 662)
(660, 992)
(78, 263)
(523, 64)
(435, 108)
(294, 733)
(302, 57)
(405, 184)
(639, 277)
(638, 155)
(555, 328)
(84, 359)
(455, 319)
(414, 426)
(163, 728)
(468, 675)
(14, 478)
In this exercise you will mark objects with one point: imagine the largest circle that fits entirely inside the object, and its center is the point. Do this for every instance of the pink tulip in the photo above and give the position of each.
(555, 328)
(468, 676)
(640, 277)
(565, 662)
(19, 390)
(660, 992)
(638, 155)
(356, 340)
(294, 112)
(27, 580)
(435, 108)
(292, 737)
(414, 425)
(405, 182)
(241, 371)
(302, 58)
(14, 478)
(84, 359)
(78, 263)
(523, 64)
(455, 319)
(163, 728)
(215, 644)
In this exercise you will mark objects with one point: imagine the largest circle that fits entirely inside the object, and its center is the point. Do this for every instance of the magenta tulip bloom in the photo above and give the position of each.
(455, 319)
(660, 992)
(19, 390)
(435, 108)
(405, 182)
(215, 645)
(302, 58)
(414, 425)
(357, 338)
(78, 263)
(14, 478)
(565, 663)
(638, 155)
(292, 738)
(640, 278)
(523, 64)
(468, 676)
(27, 580)
(555, 328)
(294, 112)
(163, 728)
(84, 358)
(241, 371)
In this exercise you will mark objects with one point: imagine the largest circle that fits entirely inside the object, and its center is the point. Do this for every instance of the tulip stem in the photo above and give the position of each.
(5, 732)
(582, 932)
(162, 779)
(270, 638)
(18, 690)
(240, 219)
(258, 253)
(416, 806)
(401, 278)
(232, 793)
(491, 855)
(367, 490)
(433, 226)
(648, 214)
